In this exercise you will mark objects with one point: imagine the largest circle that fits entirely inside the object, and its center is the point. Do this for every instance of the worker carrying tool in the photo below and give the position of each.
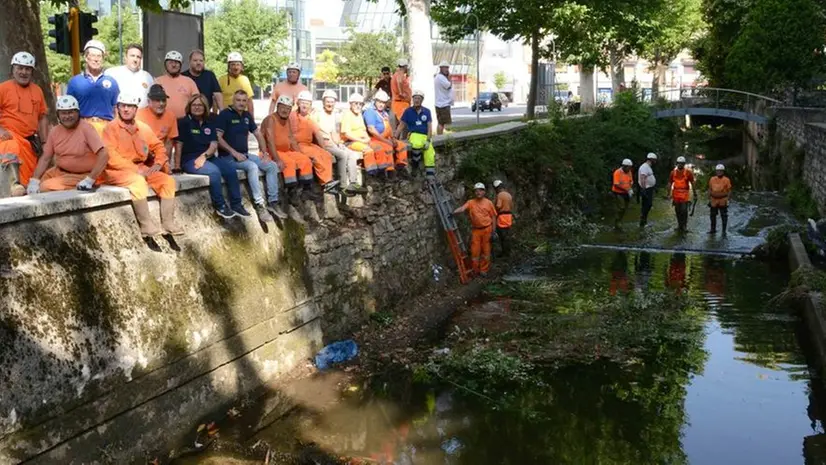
(621, 189)
(680, 184)
(719, 191)
(504, 219)
(482, 214)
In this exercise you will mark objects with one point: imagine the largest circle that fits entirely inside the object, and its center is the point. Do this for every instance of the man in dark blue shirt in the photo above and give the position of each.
(418, 122)
(96, 93)
(205, 80)
(234, 125)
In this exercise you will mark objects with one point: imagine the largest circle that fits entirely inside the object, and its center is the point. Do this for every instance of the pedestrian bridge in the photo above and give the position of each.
(712, 101)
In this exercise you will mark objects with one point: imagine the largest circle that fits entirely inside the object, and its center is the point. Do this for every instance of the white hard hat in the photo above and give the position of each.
(128, 98)
(235, 56)
(680, 159)
(381, 96)
(402, 62)
(479, 185)
(66, 102)
(444, 64)
(497, 183)
(95, 44)
(174, 56)
(329, 93)
(720, 167)
(356, 98)
(23, 59)
(419, 93)
(651, 156)
(294, 66)
(285, 100)
(627, 162)
(305, 95)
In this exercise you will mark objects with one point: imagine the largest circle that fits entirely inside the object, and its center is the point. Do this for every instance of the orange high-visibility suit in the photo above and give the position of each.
(164, 126)
(681, 180)
(353, 132)
(322, 160)
(297, 166)
(482, 215)
(129, 147)
(622, 181)
(20, 111)
(719, 190)
(385, 152)
(400, 87)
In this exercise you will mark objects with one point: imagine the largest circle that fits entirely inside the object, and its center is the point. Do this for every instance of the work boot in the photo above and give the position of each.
(332, 187)
(354, 189)
(308, 193)
(168, 218)
(147, 225)
(263, 215)
(276, 210)
(725, 225)
(294, 195)
(402, 172)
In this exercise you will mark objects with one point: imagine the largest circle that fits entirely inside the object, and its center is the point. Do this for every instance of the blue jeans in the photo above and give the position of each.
(217, 168)
(253, 165)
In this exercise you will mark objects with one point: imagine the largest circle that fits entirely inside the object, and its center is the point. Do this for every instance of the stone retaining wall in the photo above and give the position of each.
(806, 127)
(111, 350)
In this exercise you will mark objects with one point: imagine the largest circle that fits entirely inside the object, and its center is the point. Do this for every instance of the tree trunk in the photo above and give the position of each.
(658, 75)
(533, 90)
(617, 59)
(17, 16)
(421, 50)
(586, 88)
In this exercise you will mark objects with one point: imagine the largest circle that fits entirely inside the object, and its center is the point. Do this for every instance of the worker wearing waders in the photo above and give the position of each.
(621, 189)
(680, 184)
(719, 190)
(504, 218)
(483, 221)
(646, 181)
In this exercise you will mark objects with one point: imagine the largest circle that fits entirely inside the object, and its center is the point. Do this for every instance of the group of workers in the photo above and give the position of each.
(681, 183)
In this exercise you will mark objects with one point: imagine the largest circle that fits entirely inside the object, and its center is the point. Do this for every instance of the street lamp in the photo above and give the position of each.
(553, 69)
(478, 110)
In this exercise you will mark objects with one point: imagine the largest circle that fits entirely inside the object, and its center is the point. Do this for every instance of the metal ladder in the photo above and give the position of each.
(444, 207)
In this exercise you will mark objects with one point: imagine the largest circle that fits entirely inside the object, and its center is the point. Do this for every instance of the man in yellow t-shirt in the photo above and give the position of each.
(234, 81)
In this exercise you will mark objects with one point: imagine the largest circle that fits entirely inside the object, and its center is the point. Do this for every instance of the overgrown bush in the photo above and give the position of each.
(800, 199)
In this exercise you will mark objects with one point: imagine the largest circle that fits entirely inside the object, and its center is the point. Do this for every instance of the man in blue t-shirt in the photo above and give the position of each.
(234, 125)
(418, 122)
(206, 81)
(96, 93)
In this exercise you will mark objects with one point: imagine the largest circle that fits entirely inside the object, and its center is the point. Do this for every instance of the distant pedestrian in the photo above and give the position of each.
(647, 181)
(444, 97)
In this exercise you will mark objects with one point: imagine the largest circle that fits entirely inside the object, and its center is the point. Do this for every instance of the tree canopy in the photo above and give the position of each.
(327, 68)
(364, 54)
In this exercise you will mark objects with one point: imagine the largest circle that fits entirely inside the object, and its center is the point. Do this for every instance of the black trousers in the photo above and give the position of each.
(647, 196)
(723, 216)
(504, 239)
(622, 201)
(681, 209)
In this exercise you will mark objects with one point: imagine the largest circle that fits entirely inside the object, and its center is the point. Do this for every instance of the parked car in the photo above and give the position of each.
(487, 101)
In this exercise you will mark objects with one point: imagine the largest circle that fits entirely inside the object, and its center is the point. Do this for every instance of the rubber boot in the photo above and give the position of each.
(147, 225)
(714, 224)
(168, 218)
(725, 223)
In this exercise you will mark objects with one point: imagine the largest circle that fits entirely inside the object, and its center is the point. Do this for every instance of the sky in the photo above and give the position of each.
(327, 10)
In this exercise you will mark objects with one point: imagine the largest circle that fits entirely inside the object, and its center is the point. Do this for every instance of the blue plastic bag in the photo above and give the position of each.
(336, 352)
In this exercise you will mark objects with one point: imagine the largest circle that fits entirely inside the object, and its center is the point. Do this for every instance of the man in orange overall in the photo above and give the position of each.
(621, 189)
(282, 145)
(680, 184)
(504, 217)
(136, 160)
(400, 89)
(305, 129)
(290, 87)
(23, 122)
(162, 122)
(355, 136)
(483, 221)
(719, 191)
(391, 153)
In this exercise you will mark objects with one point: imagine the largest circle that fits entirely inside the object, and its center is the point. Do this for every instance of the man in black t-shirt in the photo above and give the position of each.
(206, 81)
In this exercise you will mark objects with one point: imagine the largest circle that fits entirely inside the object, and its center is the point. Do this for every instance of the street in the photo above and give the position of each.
(462, 116)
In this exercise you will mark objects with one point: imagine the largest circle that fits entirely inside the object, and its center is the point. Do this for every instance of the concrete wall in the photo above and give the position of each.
(806, 127)
(111, 350)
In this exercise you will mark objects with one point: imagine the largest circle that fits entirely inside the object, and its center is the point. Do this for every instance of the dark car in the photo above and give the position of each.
(487, 101)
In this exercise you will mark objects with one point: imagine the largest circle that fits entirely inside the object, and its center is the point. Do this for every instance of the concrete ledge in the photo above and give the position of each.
(812, 305)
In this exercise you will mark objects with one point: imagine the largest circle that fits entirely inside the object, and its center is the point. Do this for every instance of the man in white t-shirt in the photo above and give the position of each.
(444, 97)
(130, 77)
(647, 181)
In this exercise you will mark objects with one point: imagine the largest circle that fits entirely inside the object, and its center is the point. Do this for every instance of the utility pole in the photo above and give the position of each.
(120, 29)
(478, 110)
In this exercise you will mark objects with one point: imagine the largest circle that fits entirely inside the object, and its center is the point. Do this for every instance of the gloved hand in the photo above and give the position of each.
(630, 192)
(33, 187)
(426, 145)
(86, 185)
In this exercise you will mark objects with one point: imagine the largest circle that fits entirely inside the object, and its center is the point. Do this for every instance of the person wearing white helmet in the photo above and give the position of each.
(205, 80)
(280, 137)
(178, 87)
(130, 76)
(355, 136)
(23, 121)
(306, 132)
(621, 189)
(680, 186)
(136, 161)
(504, 216)
(417, 122)
(719, 192)
(391, 153)
(400, 90)
(482, 215)
(328, 120)
(290, 87)
(444, 97)
(96, 92)
(646, 182)
(235, 80)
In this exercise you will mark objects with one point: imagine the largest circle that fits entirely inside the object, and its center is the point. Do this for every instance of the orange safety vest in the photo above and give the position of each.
(623, 180)
(681, 179)
(719, 188)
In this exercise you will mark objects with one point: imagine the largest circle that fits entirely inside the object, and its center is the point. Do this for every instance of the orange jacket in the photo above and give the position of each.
(681, 180)
(719, 189)
(132, 145)
(400, 86)
(481, 211)
(623, 180)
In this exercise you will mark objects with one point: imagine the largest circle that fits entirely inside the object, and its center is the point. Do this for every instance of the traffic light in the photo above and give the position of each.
(87, 27)
(60, 32)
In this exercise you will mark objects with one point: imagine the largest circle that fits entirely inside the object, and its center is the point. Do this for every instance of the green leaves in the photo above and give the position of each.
(363, 55)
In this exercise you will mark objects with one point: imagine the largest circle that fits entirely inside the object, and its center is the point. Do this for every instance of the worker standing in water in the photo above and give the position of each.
(482, 214)
(680, 184)
(647, 181)
(621, 189)
(719, 190)
(504, 218)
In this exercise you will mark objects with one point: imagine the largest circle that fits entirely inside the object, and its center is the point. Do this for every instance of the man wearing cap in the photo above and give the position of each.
(621, 189)
(384, 81)
(291, 87)
(719, 191)
(23, 121)
(646, 181)
(400, 89)
(304, 130)
(297, 168)
(391, 153)
(680, 184)
(504, 218)
(234, 81)
(444, 97)
(418, 122)
(355, 136)
(206, 81)
(96, 93)
(131, 77)
(178, 87)
(328, 120)
(482, 215)
(162, 122)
